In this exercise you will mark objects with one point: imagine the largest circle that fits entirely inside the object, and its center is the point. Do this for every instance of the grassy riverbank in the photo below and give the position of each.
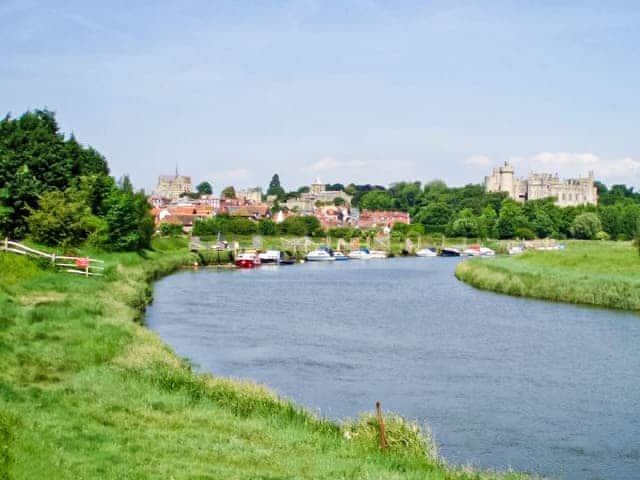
(590, 272)
(87, 392)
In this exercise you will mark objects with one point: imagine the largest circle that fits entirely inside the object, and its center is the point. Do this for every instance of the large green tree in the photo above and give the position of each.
(129, 222)
(204, 188)
(275, 188)
(35, 158)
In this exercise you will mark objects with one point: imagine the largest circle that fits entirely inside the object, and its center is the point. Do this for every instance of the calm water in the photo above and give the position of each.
(502, 382)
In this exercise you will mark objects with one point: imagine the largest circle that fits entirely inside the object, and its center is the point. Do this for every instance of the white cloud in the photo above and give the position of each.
(620, 168)
(566, 158)
(478, 161)
(329, 163)
(572, 165)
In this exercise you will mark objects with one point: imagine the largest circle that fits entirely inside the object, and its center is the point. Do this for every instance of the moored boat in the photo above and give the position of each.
(378, 254)
(361, 254)
(339, 256)
(247, 260)
(270, 256)
(320, 255)
(449, 252)
(427, 252)
(478, 251)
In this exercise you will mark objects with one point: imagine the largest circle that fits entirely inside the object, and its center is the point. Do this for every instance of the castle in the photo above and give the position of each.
(306, 203)
(568, 193)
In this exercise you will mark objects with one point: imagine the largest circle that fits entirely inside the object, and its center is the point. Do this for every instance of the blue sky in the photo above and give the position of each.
(364, 91)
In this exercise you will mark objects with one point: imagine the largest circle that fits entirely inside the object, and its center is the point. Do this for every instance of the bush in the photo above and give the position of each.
(60, 220)
(170, 229)
(526, 233)
(267, 227)
(342, 232)
(602, 235)
(585, 226)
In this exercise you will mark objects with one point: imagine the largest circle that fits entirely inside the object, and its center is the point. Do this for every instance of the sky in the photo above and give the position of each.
(358, 91)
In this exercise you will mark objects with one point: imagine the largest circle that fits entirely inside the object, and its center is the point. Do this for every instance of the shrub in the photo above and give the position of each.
(526, 233)
(170, 229)
(267, 227)
(585, 226)
(602, 235)
(60, 220)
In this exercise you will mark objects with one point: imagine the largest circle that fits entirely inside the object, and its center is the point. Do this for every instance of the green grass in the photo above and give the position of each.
(605, 274)
(86, 391)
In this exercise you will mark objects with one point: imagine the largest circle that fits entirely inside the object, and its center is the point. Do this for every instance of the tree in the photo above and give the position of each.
(435, 216)
(275, 188)
(204, 188)
(338, 201)
(36, 158)
(511, 218)
(60, 220)
(229, 192)
(129, 221)
(487, 222)
(376, 200)
(465, 224)
(586, 226)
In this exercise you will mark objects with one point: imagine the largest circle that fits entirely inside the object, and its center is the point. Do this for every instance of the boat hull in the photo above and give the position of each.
(245, 264)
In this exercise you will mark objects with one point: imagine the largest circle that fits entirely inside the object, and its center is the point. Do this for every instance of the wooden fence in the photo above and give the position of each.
(81, 265)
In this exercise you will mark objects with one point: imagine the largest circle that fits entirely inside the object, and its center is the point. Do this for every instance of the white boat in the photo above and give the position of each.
(517, 250)
(362, 254)
(378, 254)
(339, 256)
(427, 252)
(478, 251)
(320, 256)
(270, 256)
(487, 252)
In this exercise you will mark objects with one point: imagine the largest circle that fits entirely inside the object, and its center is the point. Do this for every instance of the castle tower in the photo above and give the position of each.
(503, 179)
(317, 187)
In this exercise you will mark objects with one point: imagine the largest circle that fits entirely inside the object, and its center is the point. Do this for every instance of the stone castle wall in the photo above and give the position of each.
(571, 192)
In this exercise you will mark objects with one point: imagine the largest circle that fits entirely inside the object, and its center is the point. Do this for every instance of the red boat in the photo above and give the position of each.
(247, 260)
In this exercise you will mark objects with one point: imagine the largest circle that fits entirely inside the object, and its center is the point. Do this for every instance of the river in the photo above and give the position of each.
(502, 382)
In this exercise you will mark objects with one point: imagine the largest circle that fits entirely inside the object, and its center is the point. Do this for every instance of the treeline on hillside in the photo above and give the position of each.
(307, 225)
(60, 193)
(470, 211)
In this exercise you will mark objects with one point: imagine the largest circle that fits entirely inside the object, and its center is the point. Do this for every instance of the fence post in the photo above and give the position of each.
(383, 438)
(6, 243)
(53, 259)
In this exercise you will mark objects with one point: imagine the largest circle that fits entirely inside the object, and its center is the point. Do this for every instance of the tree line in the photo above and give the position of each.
(470, 211)
(59, 192)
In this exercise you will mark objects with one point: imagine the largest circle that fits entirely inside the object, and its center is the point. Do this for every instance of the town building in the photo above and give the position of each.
(375, 219)
(318, 194)
(569, 192)
(172, 187)
(251, 195)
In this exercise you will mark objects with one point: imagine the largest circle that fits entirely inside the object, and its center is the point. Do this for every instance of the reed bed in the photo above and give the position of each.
(605, 274)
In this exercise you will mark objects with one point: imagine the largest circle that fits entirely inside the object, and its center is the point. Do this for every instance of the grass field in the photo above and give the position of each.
(87, 392)
(598, 273)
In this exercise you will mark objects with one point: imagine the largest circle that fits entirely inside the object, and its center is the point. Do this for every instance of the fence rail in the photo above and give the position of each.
(81, 265)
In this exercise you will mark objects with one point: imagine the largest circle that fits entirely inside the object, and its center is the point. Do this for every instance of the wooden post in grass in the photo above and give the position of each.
(383, 438)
